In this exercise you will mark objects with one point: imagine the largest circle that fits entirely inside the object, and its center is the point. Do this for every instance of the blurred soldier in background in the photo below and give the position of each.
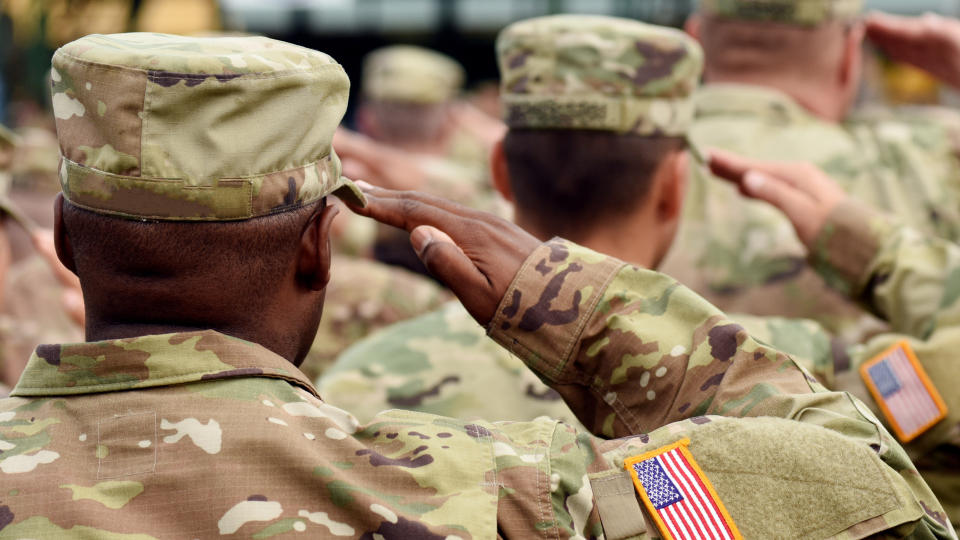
(429, 139)
(780, 77)
(42, 303)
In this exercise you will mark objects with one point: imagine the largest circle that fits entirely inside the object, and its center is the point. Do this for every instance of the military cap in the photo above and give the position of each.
(156, 126)
(8, 139)
(800, 12)
(409, 74)
(596, 72)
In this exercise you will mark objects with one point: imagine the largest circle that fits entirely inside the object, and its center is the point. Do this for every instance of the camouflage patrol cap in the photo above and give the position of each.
(595, 72)
(180, 128)
(800, 12)
(409, 74)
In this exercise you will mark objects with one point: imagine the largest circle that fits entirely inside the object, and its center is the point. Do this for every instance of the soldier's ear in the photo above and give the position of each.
(61, 239)
(499, 171)
(673, 185)
(313, 257)
(692, 26)
(852, 65)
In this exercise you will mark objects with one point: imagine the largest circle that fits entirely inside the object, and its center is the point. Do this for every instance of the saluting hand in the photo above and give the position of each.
(804, 193)
(474, 253)
(930, 42)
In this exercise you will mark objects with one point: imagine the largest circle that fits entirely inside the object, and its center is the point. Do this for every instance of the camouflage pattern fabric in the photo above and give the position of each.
(114, 437)
(443, 363)
(594, 72)
(743, 255)
(351, 311)
(409, 74)
(911, 280)
(799, 12)
(169, 127)
(32, 314)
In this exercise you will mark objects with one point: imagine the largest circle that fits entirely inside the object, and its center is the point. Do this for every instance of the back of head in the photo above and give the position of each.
(406, 90)
(796, 45)
(594, 105)
(190, 167)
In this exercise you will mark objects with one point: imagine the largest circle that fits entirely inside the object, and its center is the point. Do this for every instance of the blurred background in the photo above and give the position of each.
(30, 30)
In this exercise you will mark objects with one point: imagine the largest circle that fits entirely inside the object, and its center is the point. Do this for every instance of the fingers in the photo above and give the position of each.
(447, 262)
(733, 167)
(410, 209)
(790, 200)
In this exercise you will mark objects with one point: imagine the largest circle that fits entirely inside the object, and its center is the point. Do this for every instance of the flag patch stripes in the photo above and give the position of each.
(679, 497)
(904, 392)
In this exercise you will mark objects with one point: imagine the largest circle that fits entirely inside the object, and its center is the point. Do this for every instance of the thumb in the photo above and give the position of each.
(773, 190)
(800, 209)
(447, 262)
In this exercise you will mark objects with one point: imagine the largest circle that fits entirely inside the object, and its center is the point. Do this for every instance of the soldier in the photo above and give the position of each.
(389, 295)
(41, 302)
(905, 277)
(767, 95)
(547, 165)
(203, 275)
(410, 106)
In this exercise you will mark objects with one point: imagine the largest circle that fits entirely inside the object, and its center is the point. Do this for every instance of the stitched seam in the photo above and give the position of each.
(171, 178)
(549, 458)
(246, 76)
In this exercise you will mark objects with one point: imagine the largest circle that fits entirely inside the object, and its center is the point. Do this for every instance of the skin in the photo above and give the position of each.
(286, 325)
(828, 95)
(474, 253)
(804, 193)
(930, 42)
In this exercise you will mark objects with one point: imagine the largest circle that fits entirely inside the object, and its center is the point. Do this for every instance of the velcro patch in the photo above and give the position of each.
(679, 496)
(904, 392)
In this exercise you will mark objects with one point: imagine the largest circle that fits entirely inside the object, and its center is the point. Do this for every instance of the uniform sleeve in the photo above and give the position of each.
(908, 279)
(631, 350)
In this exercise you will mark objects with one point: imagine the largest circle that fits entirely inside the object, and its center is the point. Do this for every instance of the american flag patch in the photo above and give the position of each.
(678, 495)
(903, 391)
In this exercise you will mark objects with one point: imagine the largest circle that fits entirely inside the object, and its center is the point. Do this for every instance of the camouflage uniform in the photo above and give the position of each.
(743, 255)
(196, 434)
(350, 313)
(443, 363)
(88, 450)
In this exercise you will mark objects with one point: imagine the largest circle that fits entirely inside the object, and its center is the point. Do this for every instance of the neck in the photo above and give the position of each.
(813, 98)
(616, 240)
(283, 339)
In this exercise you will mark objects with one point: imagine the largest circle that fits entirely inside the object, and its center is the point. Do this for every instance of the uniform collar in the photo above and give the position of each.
(721, 99)
(150, 361)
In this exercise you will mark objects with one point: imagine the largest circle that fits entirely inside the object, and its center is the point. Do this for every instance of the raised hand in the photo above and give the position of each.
(930, 42)
(474, 253)
(804, 193)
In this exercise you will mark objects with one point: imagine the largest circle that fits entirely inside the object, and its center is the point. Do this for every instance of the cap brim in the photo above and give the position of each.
(8, 207)
(349, 193)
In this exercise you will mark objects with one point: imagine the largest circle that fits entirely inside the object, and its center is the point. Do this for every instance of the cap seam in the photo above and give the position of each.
(169, 178)
(273, 75)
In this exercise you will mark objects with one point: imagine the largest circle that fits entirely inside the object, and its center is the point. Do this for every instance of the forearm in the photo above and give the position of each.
(631, 350)
(909, 279)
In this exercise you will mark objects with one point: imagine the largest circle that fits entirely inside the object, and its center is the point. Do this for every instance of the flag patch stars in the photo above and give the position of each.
(679, 497)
